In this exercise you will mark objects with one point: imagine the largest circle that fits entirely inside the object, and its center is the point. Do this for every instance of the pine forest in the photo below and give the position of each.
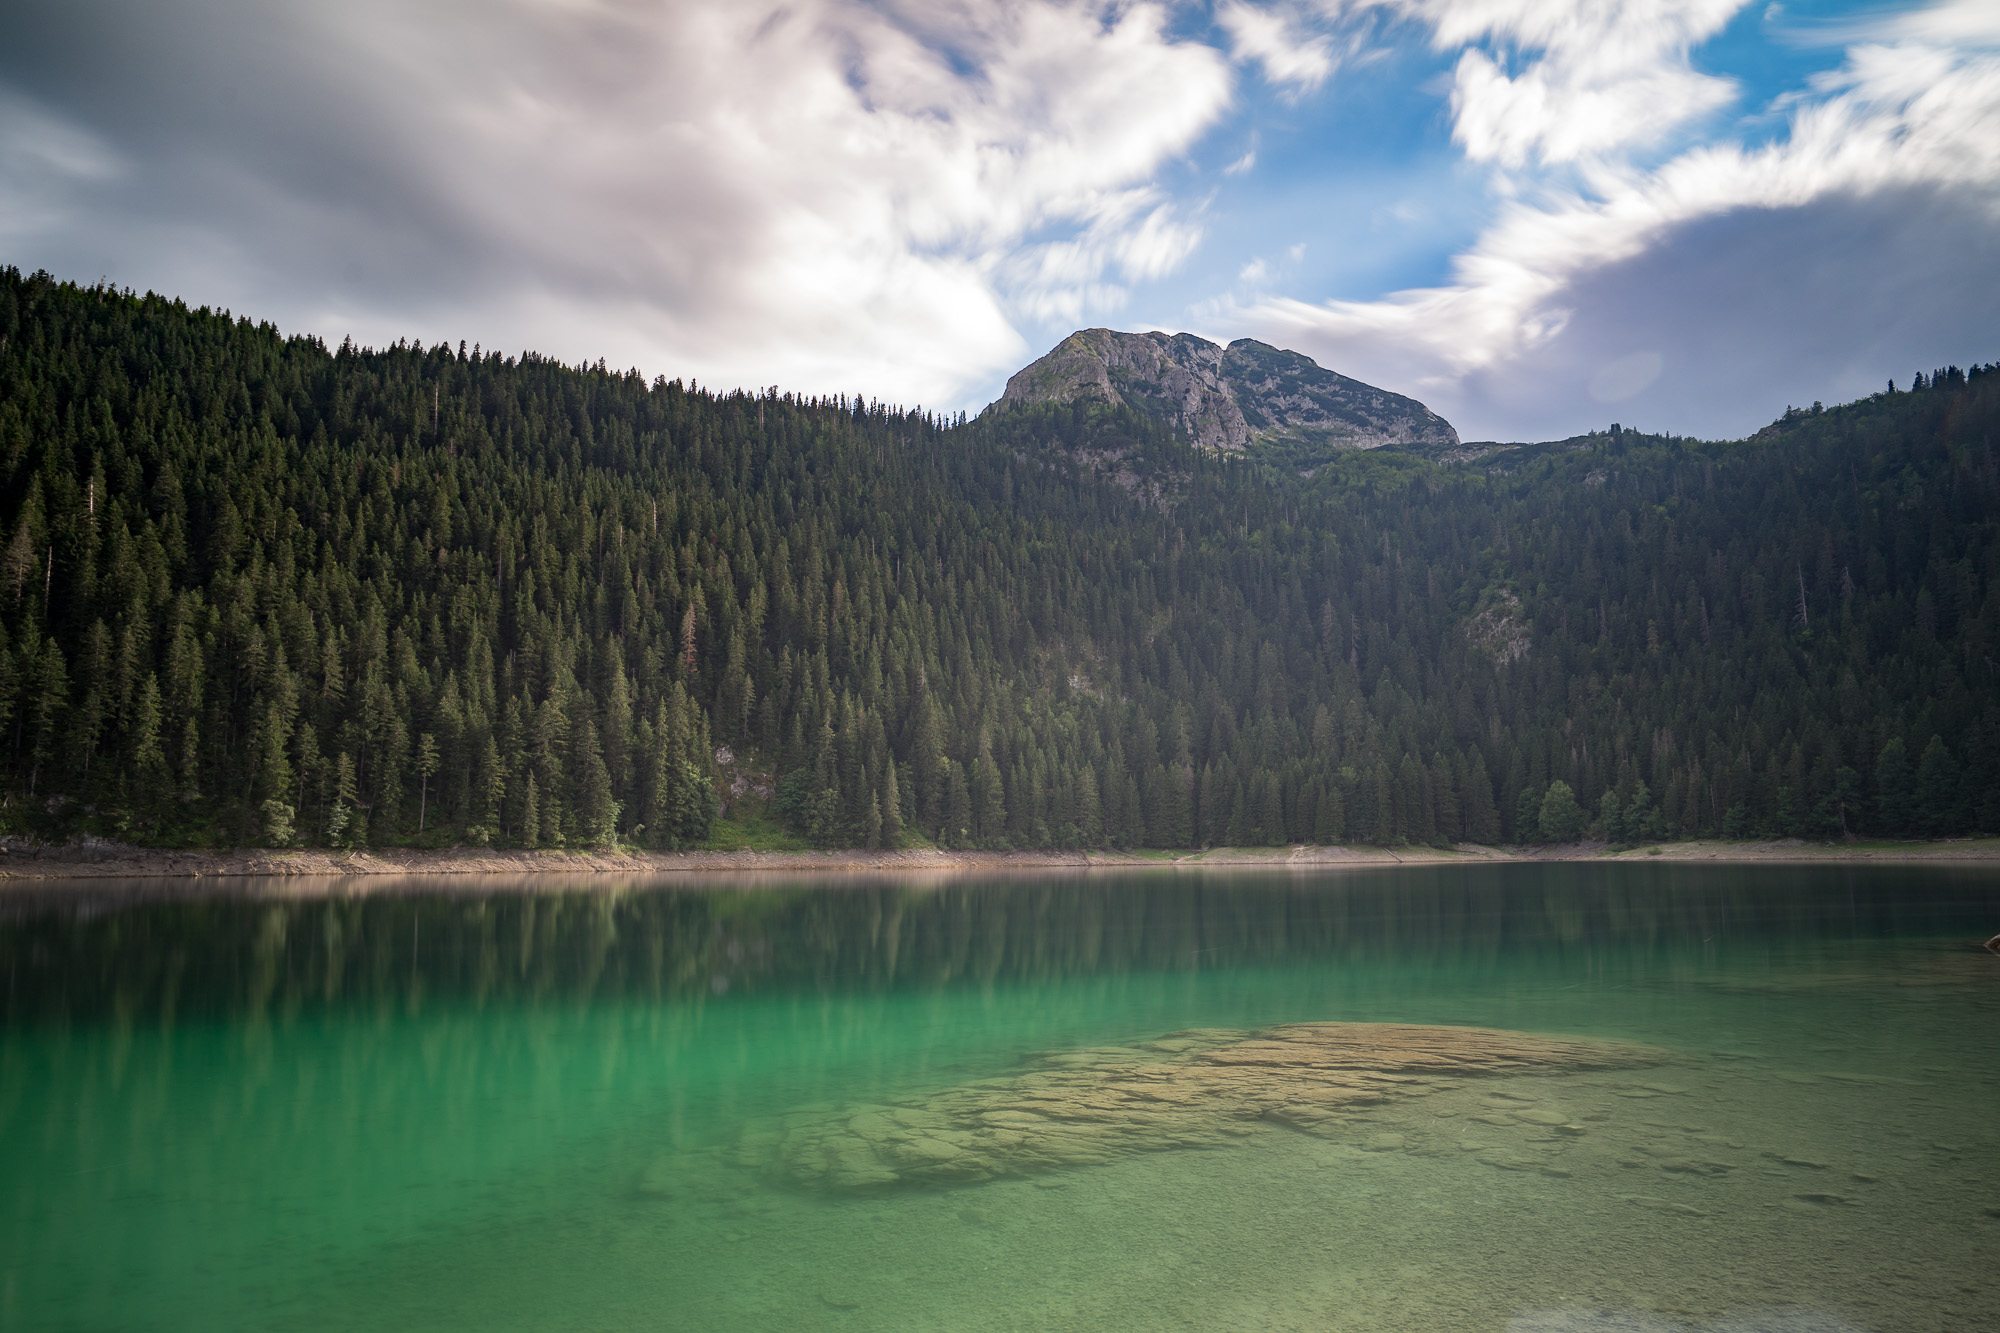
(257, 591)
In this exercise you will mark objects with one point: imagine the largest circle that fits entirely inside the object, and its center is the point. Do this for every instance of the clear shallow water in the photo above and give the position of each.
(526, 1107)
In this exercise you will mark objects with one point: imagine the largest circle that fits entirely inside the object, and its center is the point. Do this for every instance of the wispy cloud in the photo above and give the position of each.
(1136, 236)
(1548, 81)
(1949, 22)
(1287, 51)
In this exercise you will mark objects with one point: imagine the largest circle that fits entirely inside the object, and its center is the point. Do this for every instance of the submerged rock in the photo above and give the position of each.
(1542, 1116)
(1659, 1205)
(1507, 1160)
(1188, 1090)
(1692, 1166)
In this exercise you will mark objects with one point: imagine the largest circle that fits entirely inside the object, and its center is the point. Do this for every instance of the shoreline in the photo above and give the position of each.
(24, 864)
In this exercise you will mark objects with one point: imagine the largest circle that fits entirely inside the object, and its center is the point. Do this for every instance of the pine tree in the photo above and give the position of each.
(1482, 816)
(1940, 803)
(427, 767)
(147, 763)
(1895, 791)
(274, 769)
(45, 709)
(531, 814)
(957, 828)
(596, 808)
(19, 562)
(891, 809)
(344, 824)
(988, 800)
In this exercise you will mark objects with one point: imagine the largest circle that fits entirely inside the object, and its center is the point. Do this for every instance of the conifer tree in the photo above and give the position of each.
(531, 813)
(344, 824)
(1895, 791)
(45, 708)
(890, 805)
(1938, 795)
(427, 767)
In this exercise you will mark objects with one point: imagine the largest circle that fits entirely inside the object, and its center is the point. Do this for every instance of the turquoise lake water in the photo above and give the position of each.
(549, 1104)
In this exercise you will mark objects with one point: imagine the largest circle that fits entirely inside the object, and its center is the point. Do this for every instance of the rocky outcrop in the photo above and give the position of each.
(1497, 628)
(1190, 1089)
(1247, 397)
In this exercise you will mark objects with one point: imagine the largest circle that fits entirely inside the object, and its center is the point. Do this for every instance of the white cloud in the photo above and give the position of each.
(1911, 114)
(821, 193)
(1951, 23)
(1289, 55)
(1558, 81)
(881, 194)
(1135, 234)
(1263, 271)
(1556, 112)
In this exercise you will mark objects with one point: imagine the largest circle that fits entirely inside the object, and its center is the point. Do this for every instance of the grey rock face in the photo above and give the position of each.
(1247, 397)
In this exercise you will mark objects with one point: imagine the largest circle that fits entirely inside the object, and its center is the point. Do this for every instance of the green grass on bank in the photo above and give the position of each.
(753, 831)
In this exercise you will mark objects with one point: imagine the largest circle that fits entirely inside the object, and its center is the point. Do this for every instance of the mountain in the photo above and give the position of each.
(1246, 398)
(255, 590)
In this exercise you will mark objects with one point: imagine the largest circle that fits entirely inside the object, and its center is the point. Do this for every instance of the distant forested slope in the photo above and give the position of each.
(256, 590)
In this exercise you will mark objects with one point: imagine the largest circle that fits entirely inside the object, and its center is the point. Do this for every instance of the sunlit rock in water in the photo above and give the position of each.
(1188, 1090)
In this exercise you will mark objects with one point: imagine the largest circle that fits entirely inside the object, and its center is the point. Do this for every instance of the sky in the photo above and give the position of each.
(1538, 216)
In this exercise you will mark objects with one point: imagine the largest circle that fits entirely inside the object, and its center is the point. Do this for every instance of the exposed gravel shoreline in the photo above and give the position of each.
(21, 862)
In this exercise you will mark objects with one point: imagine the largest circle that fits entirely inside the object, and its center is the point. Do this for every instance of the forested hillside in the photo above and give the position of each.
(256, 590)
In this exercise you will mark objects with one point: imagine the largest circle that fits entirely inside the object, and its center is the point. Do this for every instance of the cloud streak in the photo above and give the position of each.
(1289, 54)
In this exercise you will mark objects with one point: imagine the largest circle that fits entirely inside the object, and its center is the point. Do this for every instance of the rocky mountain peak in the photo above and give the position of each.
(1248, 397)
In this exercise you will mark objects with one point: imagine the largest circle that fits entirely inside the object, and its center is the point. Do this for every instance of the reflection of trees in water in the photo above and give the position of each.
(265, 959)
(406, 1020)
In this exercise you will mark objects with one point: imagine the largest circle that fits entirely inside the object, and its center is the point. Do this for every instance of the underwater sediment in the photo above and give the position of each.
(1191, 1089)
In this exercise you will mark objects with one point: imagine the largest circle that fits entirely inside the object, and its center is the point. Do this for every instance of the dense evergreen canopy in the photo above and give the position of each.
(254, 590)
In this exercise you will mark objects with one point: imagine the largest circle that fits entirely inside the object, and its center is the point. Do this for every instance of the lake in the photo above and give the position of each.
(1694, 1098)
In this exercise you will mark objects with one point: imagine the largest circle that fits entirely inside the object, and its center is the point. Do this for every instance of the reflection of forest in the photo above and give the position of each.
(243, 956)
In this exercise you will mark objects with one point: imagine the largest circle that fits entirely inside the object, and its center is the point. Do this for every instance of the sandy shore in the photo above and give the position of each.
(20, 862)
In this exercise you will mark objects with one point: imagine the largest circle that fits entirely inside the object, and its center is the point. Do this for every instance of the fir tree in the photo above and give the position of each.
(1895, 791)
